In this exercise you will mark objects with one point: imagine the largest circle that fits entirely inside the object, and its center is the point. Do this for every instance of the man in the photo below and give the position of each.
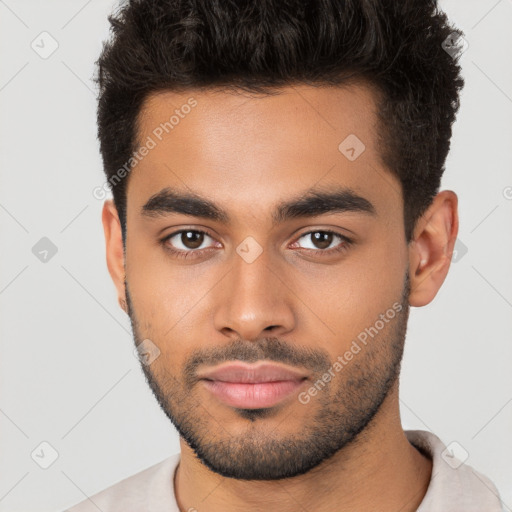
(275, 168)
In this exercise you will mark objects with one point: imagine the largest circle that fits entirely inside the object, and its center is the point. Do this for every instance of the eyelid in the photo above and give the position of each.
(185, 230)
(345, 241)
(322, 230)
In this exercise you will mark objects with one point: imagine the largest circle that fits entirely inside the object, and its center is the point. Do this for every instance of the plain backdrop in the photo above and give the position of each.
(68, 376)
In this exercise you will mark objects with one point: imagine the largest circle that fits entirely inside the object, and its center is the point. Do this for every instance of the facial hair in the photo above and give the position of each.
(342, 410)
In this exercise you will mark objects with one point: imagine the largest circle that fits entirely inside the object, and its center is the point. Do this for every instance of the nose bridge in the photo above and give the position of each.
(253, 298)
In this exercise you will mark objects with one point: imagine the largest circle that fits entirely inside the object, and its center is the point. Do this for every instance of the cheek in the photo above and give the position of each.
(345, 299)
(168, 298)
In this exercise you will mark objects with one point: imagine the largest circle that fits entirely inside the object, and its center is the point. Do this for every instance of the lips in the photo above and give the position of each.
(252, 386)
(241, 372)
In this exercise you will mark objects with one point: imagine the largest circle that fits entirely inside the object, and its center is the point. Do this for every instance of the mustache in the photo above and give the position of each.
(269, 349)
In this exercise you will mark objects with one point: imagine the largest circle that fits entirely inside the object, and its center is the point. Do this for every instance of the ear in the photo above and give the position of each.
(114, 247)
(431, 248)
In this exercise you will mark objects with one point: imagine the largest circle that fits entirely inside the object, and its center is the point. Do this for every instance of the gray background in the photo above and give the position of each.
(68, 375)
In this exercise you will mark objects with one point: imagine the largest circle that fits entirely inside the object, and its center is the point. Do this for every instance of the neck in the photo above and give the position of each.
(379, 470)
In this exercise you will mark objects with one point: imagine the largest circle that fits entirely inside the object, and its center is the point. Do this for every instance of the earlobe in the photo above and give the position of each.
(114, 249)
(122, 303)
(431, 249)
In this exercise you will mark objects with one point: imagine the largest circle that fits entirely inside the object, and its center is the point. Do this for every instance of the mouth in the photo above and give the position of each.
(252, 386)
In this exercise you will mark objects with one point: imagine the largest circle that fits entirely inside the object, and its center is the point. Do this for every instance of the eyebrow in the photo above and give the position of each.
(310, 204)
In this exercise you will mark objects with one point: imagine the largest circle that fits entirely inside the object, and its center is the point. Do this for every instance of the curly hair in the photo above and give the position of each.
(259, 46)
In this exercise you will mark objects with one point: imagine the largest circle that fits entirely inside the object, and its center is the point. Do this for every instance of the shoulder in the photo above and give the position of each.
(152, 486)
(454, 485)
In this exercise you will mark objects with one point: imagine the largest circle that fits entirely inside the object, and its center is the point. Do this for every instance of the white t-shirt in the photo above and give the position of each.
(453, 487)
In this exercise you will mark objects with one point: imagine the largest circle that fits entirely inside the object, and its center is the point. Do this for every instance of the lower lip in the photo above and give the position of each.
(252, 396)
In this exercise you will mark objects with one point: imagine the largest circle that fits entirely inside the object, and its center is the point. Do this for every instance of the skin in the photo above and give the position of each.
(291, 293)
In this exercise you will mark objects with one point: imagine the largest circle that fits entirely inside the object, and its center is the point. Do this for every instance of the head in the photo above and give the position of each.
(275, 169)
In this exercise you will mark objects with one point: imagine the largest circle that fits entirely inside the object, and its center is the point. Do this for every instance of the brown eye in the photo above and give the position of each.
(191, 239)
(321, 240)
(187, 240)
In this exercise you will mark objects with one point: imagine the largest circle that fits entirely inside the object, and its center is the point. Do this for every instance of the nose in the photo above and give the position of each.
(254, 300)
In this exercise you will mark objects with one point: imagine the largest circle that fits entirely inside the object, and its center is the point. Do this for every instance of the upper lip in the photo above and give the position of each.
(251, 374)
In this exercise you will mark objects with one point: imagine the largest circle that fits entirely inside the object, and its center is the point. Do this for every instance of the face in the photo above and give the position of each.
(256, 235)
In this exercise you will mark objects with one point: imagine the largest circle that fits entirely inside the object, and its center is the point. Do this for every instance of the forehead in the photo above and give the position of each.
(280, 121)
(239, 148)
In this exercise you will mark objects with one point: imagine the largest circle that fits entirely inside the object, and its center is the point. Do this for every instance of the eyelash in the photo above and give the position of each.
(343, 247)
